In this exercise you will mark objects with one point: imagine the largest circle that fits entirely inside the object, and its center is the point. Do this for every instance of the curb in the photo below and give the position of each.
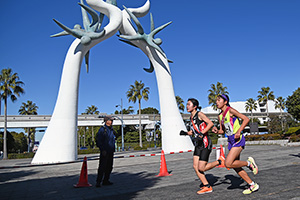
(149, 155)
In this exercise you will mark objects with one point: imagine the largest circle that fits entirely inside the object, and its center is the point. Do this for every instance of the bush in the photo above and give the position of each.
(89, 151)
(20, 155)
(274, 136)
(138, 148)
(293, 130)
(214, 140)
(295, 138)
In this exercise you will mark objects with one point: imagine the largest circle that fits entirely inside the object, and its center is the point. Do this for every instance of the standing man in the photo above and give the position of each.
(106, 142)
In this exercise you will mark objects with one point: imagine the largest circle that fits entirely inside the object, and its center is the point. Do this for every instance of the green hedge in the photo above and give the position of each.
(138, 148)
(89, 151)
(274, 136)
(20, 155)
(293, 130)
(294, 138)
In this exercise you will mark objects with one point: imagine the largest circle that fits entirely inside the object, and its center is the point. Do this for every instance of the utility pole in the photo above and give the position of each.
(122, 123)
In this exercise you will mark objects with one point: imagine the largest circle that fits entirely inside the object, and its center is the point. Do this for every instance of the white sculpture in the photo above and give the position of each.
(171, 120)
(59, 143)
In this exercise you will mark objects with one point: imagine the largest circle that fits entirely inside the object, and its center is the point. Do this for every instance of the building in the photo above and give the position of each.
(260, 113)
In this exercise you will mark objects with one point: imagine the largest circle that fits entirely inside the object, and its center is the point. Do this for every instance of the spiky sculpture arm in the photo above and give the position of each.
(90, 31)
(141, 35)
(96, 23)
(155, 31)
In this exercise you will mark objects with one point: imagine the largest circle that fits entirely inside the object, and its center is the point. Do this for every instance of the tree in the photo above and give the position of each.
(250, 106)
(214, 92)
(131, 137)
(127, 111)
(274, 124)
(10, 142)
(91, 110)
(149, 110)
(280, 104)
(264, 95)
(10, 87)
(293, 104)
(137, 92)
(20, 142)
(29, 108)
(180, 103)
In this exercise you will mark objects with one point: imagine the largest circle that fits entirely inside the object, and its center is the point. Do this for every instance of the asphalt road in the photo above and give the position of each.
(135, 178)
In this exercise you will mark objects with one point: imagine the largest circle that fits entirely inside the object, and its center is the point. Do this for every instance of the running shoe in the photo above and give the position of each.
(204, 190)
(251, 189)
(253, 167)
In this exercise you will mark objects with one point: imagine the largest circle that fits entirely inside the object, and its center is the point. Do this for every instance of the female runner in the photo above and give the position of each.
(229, 124)
(199, 126)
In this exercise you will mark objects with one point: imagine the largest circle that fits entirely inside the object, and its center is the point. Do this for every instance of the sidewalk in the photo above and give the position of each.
(134, 177)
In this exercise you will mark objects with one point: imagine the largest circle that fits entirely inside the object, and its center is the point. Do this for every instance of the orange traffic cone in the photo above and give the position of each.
(83, 179)
(222, 155)
(163, 166)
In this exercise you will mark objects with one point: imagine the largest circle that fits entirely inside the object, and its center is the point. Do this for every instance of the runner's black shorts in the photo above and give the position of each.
(203, 153)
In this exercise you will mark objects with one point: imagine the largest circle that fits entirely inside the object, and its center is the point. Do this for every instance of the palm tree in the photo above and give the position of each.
(29, 108)
(250, 106)
(138, 92)
(10, 86)
(180, 103)
(281, 104)
(214, 92)
(264, 95)
(91, 110)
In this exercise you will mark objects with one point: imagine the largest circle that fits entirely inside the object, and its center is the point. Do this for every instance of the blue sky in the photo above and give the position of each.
(244, 44)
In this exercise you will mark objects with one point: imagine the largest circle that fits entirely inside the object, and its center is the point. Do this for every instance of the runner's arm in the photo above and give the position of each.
(216, 130)
(209, 123)
(241, 116)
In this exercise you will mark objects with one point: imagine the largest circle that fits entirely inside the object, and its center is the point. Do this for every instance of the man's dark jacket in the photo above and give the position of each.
(106, 139)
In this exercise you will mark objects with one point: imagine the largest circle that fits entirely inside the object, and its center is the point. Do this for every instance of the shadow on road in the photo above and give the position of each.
(295, 155)
(138, 182)
(7, 176)
(62, 187)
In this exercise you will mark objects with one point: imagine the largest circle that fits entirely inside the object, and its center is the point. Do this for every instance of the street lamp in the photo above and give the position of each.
(122, 123)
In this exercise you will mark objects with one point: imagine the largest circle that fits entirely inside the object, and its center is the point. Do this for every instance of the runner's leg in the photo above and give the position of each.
(201, 168)
(211, 165)
(232, 159)
(196, 165)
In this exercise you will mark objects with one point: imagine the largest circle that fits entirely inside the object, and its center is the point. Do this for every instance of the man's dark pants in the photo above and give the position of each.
(105, 167)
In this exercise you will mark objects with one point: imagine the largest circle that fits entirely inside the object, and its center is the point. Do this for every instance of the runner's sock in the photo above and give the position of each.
(252, 183)
(248, 165)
